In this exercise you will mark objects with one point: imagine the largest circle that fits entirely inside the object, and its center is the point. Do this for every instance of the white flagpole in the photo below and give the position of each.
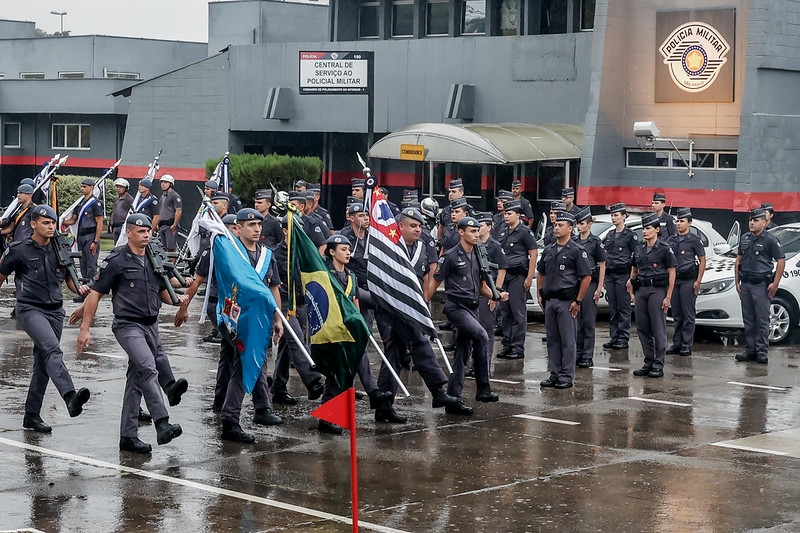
(444, 355)
(388, 366)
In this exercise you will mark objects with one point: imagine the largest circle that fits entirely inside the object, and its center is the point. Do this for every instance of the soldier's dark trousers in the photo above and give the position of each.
(88, 259)
(116, 233)
(289, 353)
(562, 331)
(44, 328)
(619, 303)
(514, 314)
(168, 240)
(141, 343)
(683, 309)
(755, 313)
(397, 337)
(651, 325)
(470, 335)
(234, 395)
(487, 317)
(587, 319)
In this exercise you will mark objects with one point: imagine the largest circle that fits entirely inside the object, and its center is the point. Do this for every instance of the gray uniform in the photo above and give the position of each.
(527, 210)
(549, 237)
(39, 311)
(619, 251)
(271, 232)
(587, 317)
(87, 230)
(563, 268)
(651, 322)
(516, 243)
(23, 228)
(170, 203)
(669, 231)
(136, 303)
(461, 274)
(755, 273)
(313, 228)
(450, 237)
(120, 212)
(494, 250)
(323, 215)
(687, 249)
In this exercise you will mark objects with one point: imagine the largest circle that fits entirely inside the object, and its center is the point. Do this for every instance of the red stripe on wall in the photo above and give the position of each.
(182, 174)
(124, 171)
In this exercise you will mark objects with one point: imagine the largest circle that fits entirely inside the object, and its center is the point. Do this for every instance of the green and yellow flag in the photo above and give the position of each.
(338, 332)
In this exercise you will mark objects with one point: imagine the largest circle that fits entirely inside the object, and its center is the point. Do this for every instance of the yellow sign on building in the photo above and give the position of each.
(412, 152)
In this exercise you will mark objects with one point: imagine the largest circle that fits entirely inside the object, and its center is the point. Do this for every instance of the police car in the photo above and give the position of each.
(718, 304)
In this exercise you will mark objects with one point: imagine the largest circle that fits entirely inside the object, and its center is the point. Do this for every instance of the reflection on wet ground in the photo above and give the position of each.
(714, 446)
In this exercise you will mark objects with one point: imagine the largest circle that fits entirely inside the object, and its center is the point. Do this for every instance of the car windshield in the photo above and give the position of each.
(789, 237)
(599, 227)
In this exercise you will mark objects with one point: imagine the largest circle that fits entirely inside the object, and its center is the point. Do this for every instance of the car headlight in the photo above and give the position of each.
(717, 286)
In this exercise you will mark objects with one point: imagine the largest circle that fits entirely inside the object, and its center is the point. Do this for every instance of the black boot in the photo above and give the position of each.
(133, 444)
(284, 398)
(75, 401)
(377, 397)
(266, 417)
(386, 413)
(144, 416)
(442, 399)
(446, 326)
(315, 389)
(165, 431)
(485, 394)
(35, 422)
(174, 390)
(233, 432)
(458, 408)
(326, 427)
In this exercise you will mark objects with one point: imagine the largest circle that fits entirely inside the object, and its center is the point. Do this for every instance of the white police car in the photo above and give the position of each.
(718, 304)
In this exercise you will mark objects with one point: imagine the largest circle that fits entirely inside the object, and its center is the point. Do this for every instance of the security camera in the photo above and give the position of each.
(647, 130)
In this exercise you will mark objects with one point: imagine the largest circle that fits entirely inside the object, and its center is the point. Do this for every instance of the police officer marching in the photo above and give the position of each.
(455, 191)
(147, 204)
(690, 256)
(122, 205)
(137, 295)
(619, 244)
(650, 286)
(39, 310)
(668, 229)
(171, 209)
(756, 283)
(563, 279)
(587, 318)
(20, 226)
(89, 217)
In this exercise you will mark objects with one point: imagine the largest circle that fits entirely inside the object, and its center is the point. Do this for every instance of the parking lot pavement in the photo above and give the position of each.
(710, 447)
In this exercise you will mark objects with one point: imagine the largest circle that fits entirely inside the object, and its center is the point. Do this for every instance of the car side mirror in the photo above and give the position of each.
(720, 249)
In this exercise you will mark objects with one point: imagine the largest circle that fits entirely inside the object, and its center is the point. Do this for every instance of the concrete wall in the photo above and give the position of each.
(16, 29)
(62, 96)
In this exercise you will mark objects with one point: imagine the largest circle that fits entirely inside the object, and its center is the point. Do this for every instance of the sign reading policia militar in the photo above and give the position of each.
(695, 55)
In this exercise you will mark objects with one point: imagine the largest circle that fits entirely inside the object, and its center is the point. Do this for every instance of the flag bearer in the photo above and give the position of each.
(89, 218)
(587, 317)
(20, 227)
(691, 264)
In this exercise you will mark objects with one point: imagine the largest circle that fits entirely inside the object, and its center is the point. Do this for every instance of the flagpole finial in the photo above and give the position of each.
(371, 182)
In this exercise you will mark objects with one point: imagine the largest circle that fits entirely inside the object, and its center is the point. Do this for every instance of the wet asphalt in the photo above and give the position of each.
(713, 446)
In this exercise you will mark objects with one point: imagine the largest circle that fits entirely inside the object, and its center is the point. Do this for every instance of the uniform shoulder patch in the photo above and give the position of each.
(584, 254)
(441, 261)
(318, 229)
(178, 200)
(635, 237)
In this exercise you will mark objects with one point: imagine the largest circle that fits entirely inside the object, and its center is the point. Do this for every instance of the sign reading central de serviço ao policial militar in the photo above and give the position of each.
(335, 72)
(695, 60)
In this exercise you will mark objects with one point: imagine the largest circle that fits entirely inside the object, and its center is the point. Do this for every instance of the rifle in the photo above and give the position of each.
(486, 268)
(46, 174)
(99, 184)
(163, 267)
(62, 248)
(152, 168)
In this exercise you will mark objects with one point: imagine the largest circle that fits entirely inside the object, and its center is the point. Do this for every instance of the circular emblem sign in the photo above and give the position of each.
(317, 301)
(694, 54)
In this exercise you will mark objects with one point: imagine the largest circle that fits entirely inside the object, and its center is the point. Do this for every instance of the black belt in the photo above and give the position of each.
(620, 269)
(566, 295)
(756, 279)
(87, 231)
(44, 306)
(143, 320)
(520, 269)
(466, 302)
(654, 282)
(162, 223)
(689, 273)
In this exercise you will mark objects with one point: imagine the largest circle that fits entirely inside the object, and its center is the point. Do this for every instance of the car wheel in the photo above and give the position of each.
(782, 320)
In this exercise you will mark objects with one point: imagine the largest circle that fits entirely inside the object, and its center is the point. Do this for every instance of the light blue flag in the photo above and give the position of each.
(245, 306)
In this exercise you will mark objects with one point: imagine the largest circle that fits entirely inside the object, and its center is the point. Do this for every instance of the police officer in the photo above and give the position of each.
(527, 210)
(39, 310)
(147, 204)
(317, 209)
(122, 206)
(357, 187)
(498, 221)
(20, 226)
(756, 283)
(309, 212)
(454, 192)
(392, 206)
(651, 284)
(770, 214)
(619, 244)
(460, 271)
(459, 208)
(496, 256)
(555, 208)
(234, 202)
(691, 264)
(301, 186)
(668, 229)
(563, 279)
(310, 224)
(271, 232)
(520, 250)
(587, 317)
(137, 295)
(568, 198)
(89, 217)
(171, 209)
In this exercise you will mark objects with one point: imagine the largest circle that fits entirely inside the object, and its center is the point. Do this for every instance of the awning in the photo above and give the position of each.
(495, 144)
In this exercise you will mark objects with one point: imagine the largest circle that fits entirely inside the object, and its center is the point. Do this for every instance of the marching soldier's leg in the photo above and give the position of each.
(330, 391)
(173, 388)
(131, 401)
(587, 321)
(518, 316)
(88, 259)
(232, 408)
(227, 353)
(456, 316)
(261, 403)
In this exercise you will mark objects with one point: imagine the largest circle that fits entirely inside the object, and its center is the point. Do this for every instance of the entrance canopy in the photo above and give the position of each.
(496, 144)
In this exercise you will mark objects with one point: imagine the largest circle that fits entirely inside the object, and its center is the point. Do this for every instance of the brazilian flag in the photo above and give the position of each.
(339, 334)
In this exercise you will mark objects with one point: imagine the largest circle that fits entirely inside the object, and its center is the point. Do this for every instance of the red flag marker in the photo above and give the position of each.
(341, 410)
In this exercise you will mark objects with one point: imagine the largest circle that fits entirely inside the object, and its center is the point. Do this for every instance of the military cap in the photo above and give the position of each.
(758, 212)
(44, 211)
(413, 213)
(563, 216)
(333, 240)
(456, 184)
(248, 213)
(358, 182)
(263, 194)
(513, 205)
(356, 207)
(297, 196)
(618, 208)
(139, 219)
(87, 181)
(219, 196)
(121, 182)
(229, 219)
(659, 197)
(650, 219)
(558, 206)
(410, 203)
(301, 183)
(468, 222)
(27, 181)
(516, 183)
(684, 212)
(310, 194)
(567, 191)
(316, 187)
(505, 195)
(583, 214)
(410, 193)
(384, 190)
(768, 206)
(484, 216)
(25, 189)
(352, 200)
(211, 184)
(146, 183)
(459, 203)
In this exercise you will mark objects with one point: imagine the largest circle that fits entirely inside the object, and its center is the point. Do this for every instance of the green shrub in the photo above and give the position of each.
(68, 189)
(249, 172)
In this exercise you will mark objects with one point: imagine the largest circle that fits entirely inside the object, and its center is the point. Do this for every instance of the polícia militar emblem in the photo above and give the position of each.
(694, 53)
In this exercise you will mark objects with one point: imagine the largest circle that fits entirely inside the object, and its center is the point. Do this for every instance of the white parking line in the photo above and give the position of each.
(747, 448)
(606, 368)
(106, 355)
(199, 486)
(665, 402)
(545, 419)
(502, 381)
(782, 389)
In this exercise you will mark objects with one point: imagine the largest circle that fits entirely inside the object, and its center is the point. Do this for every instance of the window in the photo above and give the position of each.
(727, 160)
(437, 18)
(74, 136)
(31, 75)
(12, 137)
(554, 16)
(2, 75)
(120, 75)
(368, 19)
(473, 17)
(671, 159)
(509, 15)
(587, 15)
(648, 158)
(402, 18)
(70, 75)
(551, 181)
(702, 236)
